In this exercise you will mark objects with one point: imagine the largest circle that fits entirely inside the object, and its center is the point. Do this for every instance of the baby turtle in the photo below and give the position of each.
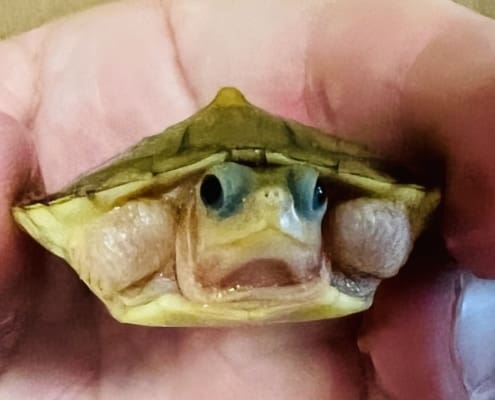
(234, 216)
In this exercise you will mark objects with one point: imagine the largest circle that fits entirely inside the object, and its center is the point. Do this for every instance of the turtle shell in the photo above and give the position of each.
(231, 129)
(228, 129)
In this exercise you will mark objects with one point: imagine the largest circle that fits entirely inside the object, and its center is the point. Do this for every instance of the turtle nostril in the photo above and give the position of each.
(273, 193)
(211, 192)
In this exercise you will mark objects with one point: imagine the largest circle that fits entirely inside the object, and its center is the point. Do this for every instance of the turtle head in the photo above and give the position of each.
(251, 232)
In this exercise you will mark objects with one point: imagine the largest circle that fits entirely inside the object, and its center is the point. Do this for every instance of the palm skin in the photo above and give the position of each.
(389, 75)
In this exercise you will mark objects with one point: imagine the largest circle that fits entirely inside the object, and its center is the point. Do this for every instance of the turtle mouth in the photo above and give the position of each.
(266, 279)
(259, 273)
(265, 272)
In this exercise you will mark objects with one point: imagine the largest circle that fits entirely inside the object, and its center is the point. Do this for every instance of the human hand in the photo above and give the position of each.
(412, 80)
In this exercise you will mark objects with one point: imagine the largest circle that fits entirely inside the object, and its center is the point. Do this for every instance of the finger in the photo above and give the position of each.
(430, 336)
(17, 172)
(454, 98)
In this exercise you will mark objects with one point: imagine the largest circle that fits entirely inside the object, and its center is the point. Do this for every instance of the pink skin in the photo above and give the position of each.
(412, 79)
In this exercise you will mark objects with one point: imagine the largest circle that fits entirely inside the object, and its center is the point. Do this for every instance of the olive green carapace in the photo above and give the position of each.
(229, 130)
(234, 129)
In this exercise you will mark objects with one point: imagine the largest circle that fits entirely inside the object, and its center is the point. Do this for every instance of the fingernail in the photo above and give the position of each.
(475, 334)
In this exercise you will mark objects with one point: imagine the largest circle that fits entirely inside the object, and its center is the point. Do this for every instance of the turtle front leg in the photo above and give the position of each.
(129, 251)
(368, 236)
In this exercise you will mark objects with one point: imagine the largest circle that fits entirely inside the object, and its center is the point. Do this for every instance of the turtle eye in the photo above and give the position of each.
(308, 192)
(319, 196)
(224, 187)
(211, 192)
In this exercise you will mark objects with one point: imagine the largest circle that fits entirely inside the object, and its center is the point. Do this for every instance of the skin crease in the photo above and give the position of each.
(412, 79)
